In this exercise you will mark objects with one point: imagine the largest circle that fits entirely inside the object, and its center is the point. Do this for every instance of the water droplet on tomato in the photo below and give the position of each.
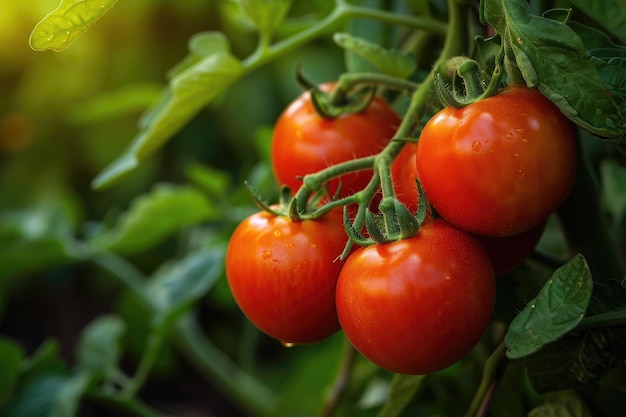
(266, 254)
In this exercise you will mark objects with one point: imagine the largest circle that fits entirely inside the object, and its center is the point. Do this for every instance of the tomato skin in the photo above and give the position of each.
(305, 143)
(404, 175)
(507, 252)
(418, 305)
(283, 274)
(499, 166)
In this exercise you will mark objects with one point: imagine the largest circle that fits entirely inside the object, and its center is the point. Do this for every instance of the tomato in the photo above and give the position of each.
(404, 175)
(418, 305)
(283, 273)
(305, 143)
(498, 166)
(508, 252)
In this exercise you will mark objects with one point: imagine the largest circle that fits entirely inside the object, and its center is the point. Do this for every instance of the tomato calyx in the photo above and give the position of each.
(339, 101)
(394, 222)
(459, 81)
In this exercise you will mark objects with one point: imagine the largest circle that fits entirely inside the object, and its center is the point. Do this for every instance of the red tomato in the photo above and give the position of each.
(507, 252)
(404, 174)
(498, 166)
(283, 274)
(305, 143)
(418, 305)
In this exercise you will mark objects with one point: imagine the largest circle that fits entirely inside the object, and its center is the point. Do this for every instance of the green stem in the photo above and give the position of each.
(494, 366)
(342, 11)
(348, 80)
(341, 382)
(209, 361)
(129, 405)
(155, 341)
(126, 272)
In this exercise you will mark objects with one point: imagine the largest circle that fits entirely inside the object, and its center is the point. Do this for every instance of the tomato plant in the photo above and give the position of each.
(129, 292)
(418, 305)
(283, 274)
(305, 142)
(500, 165)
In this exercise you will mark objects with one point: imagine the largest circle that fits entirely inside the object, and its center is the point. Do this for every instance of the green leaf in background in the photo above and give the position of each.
(388, 62)
(211, 180)
(69, 395)
(577, 359)
(41, 377)
(11, 355)
(67, 22)
(266, 15)
(562, 404)
(99, 345)
(39, 236)
(403, 389)
(558, 308)
(614, 195)
(207, 71)
(551, 56)
(154, 216)
(177, 284)
(611, 14)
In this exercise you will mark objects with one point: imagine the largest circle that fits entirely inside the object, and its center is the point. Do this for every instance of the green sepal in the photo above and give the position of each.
(373, 229)
(409, 225)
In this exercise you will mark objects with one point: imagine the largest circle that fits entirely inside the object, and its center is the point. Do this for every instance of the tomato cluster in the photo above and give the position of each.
(493, 171)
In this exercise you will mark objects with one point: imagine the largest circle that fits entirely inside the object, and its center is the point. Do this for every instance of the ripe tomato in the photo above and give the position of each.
(498, 166)
(304, 143)
(283, 274)
(507, 252)
(404, 174)
(417, 305)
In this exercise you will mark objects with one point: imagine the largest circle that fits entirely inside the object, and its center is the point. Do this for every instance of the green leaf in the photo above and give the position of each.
(68, 396)
(611, 14)
(11, 355)
(177, 284)
(558, 308)
(403, 390)
(266, 15)
(41, 377)
(123, 101)
(388, 62)
(99, 345)
(581, 357)
(562, 404)
(550, 55)
(211, 180)
(34, 237)
(201, 77)
(154, 216)
(614, 194)
(67, 22)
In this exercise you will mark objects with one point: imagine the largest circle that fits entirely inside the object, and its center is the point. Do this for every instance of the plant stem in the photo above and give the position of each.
(342, 11)
(494, 366)
(129, 405)
(341, 382)
(211, 363)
